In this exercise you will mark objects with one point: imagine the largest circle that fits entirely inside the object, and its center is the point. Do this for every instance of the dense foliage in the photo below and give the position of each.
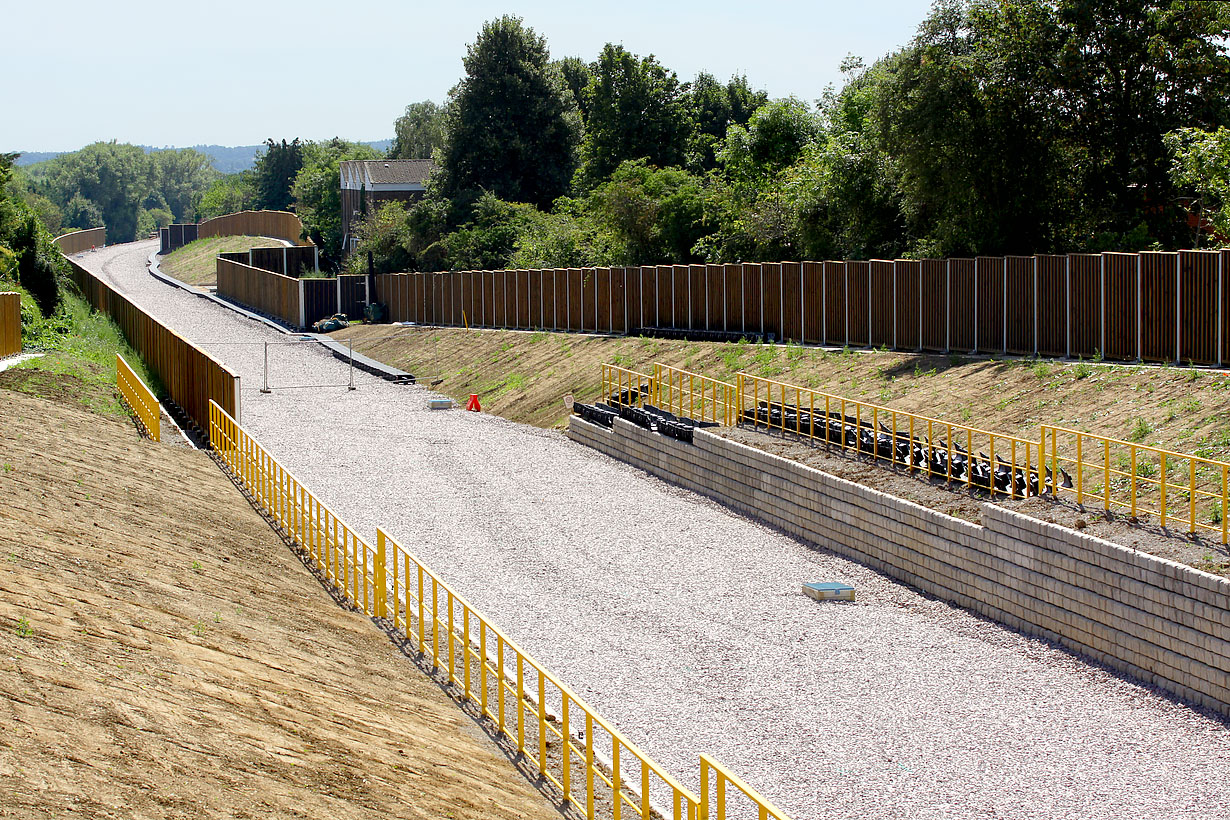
(1004, 126)
(27, 255)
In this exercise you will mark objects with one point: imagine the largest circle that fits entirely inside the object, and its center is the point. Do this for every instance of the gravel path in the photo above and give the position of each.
(683, 623)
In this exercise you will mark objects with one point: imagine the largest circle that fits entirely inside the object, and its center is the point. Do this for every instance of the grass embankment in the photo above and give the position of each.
(79, 362)
(524, 376)
(163, 654)
(194, 264)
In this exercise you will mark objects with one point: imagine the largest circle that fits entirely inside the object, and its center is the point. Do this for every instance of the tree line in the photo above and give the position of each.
(1003, 127)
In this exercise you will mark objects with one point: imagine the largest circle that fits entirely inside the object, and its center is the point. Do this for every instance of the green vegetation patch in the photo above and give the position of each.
(194, 263)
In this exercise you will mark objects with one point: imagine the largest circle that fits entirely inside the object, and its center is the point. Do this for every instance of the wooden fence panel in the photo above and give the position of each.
(354, 296)
(1085, 304)
(269, 293)
(858, 298)
(547, 292)
(753, 298)
(733, 314)
(603, 318)
(934, 304)
(792, 301)
(1223, 287)
(1052, 298)
(10, 324)
(837, 329)
(1159, 289)
(880, 331)
(771, 292)
(812, 298)
(319, 299)
(961, 304)
(906, 279)
(1198, 307)
(586, 296)
(989, 304)
(1021, 305)
(715, 297)
(80, 241)
(620, 305)
(1119, 272)
(698, 298)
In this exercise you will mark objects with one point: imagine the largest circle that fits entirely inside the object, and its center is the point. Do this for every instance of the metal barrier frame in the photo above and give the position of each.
(139, 398)
(1138, 482)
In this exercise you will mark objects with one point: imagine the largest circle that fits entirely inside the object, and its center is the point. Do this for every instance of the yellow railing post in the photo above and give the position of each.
(380, 579)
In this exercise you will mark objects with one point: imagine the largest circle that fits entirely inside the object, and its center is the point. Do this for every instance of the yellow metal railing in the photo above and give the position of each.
(565, 737)
(139, 398)
(932, 447)
(355, 568)
(684, 393)
(513, 690)
(620, 385)
(721, 777)
(1182, 490)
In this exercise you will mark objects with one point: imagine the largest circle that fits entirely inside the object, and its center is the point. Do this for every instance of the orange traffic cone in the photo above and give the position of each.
(473, 404)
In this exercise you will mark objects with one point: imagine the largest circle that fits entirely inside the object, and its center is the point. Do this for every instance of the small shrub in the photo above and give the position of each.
(1083, 370)
(1140, 430)
(24, 630)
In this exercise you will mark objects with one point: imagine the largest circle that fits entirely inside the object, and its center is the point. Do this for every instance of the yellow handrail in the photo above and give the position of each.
(620, 384)
(722, 776)
(1141, 479)
(689, 394)
(446, 628)
(139, 398)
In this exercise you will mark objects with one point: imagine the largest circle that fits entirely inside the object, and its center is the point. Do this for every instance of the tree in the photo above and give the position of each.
(713, 109)
(275, 173)
(512, 126)
(774, 139)
(1128, 72)
(318, 196)
(636, 111)
(656, 215)
(577, 74)
(107, 180)
(181, 177)
(419, 131)
(228, 194)
(1201, 167)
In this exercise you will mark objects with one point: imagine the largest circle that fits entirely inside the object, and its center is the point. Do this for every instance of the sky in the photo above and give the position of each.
(235, 73)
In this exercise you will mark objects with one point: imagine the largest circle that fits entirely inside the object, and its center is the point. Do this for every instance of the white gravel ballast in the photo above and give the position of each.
(685, 624)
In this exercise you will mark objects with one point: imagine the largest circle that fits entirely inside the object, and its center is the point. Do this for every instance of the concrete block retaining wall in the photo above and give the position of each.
(1163, 622)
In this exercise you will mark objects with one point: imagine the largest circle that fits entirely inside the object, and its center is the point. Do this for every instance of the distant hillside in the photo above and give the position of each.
(229, 159)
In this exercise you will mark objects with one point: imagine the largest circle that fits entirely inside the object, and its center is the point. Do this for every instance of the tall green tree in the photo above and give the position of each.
(513, 128)
(713, 109)
(275, 173)
(1129, 71)
(1201, 169)
(637, 110)
(419, 131)
(318, 196)
(107, 180)
(180, 177)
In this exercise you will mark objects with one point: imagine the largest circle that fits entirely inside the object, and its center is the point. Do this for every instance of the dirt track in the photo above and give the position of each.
(162, 654)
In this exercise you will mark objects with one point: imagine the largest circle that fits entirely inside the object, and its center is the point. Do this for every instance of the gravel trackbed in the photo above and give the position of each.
(684, 624)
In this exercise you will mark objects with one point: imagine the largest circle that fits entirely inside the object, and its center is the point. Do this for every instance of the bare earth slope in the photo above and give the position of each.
(162, 654)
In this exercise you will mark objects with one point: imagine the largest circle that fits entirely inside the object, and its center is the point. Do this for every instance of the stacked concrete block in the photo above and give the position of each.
(1163, 622)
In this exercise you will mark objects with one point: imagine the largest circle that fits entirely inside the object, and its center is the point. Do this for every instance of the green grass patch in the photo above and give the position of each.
(79, 366)
(194, 263)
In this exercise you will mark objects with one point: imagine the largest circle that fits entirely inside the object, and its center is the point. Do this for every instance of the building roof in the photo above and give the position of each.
(386, 174)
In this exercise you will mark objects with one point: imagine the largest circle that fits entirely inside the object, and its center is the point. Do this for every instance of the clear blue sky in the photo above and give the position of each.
(233, 73)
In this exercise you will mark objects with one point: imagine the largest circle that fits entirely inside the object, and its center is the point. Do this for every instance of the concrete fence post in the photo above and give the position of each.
(894, 304)
(303, 305)
(977, 294)
(802, 304)
(1178, 313)
(1220, 319)
(824, 309)
(1102, 277)
(845, 266)
(1067, 303)
(1035, 307)
(947, 305)
(920, 310)
(1139, 315)
(1004, 319)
